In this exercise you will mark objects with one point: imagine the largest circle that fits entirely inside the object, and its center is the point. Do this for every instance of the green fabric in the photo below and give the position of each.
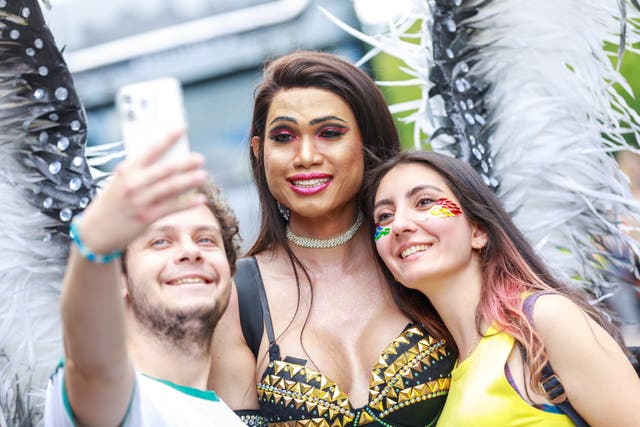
(201, 394)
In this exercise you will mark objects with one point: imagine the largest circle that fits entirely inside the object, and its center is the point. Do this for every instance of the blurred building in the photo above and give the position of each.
(216, 48)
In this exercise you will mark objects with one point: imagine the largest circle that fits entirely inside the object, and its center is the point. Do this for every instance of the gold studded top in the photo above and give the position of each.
(407, 388)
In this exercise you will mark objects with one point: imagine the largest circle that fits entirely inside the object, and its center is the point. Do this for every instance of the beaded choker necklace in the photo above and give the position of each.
(341, 239)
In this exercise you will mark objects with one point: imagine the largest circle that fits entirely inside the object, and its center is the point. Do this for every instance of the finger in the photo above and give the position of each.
(173, 205)
(170, 187)
(158, 150)
(137, 180)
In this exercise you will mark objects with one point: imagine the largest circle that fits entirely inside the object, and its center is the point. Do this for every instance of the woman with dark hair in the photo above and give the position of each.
(525, 342)
(337, 350)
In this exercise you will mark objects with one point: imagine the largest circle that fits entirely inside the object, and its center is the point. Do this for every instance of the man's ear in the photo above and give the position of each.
(479, 237)
(255, 146)
(124, 289)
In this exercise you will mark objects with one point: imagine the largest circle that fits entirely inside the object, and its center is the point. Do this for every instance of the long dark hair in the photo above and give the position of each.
(308, 69)
(510, 265)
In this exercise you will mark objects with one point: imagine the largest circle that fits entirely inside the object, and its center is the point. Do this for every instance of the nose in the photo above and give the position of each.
(402, 223)
(307, 154)
(188, 252)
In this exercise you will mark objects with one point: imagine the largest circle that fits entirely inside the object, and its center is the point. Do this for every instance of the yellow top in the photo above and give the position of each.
(480, 394)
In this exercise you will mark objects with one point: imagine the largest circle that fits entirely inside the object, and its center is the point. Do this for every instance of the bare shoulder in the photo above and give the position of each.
(228, 326)
(233, 366)
(572, 338)
(582, 353)
(551, 312)
(562, 322)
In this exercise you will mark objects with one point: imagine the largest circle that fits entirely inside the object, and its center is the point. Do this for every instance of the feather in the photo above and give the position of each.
(44, 181)
(526, 93)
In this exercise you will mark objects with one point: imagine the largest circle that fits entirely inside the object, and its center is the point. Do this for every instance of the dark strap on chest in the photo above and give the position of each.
(635, 358)
(254, 307)
(549, 380)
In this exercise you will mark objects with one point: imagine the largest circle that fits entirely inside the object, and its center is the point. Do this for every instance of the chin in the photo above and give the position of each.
(409, 284)
(197, 307)
(413, 281)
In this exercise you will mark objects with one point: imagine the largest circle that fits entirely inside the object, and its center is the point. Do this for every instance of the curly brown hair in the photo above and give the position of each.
(229, 227)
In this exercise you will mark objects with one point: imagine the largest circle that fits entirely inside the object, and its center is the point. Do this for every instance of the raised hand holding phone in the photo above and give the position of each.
(158, 173)
(148, 112)
(142, 190)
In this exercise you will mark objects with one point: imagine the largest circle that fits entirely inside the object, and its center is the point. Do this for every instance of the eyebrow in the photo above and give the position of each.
(283, 119)
(325, 119)
(409, 194)
(170, 228)
(420, 188)
(382, 202)
(312, 122)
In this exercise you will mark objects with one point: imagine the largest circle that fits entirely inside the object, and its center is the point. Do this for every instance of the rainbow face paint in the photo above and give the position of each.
(381, 231)
(442, 208)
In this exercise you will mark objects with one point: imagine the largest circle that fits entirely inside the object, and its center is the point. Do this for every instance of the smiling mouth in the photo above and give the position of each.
(188, 280)
(413, 249)
(309, 186)
(310, 183)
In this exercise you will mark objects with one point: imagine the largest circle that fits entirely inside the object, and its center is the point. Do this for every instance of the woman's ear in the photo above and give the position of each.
(255, 146)
(479, 237)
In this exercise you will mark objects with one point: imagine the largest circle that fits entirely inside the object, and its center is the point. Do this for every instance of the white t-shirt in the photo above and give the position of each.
(154, 403)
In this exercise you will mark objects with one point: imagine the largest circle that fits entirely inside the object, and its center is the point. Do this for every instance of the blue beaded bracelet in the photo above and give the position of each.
(86, 252)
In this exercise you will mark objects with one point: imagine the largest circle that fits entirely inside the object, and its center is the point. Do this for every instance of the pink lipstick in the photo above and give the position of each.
(309, 183)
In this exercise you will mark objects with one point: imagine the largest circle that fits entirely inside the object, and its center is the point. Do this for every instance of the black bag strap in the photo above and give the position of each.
(254, 307)
(549, 380)
(635, 358)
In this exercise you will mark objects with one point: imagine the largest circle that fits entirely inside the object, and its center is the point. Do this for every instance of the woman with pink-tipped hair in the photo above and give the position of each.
(526, 343)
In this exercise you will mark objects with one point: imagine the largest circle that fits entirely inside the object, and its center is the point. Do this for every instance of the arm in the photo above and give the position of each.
(236, 386)
(99, 374)
(597, 376)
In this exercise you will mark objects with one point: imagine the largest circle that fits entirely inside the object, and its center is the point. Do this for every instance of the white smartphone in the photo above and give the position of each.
(148, 112)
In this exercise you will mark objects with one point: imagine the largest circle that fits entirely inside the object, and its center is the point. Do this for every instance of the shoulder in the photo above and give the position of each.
(582, 353)
(158, 402)
(227, 336)
(228, 327)
(566, 329)
(556, 312)
(233, 365)
(243, 284)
